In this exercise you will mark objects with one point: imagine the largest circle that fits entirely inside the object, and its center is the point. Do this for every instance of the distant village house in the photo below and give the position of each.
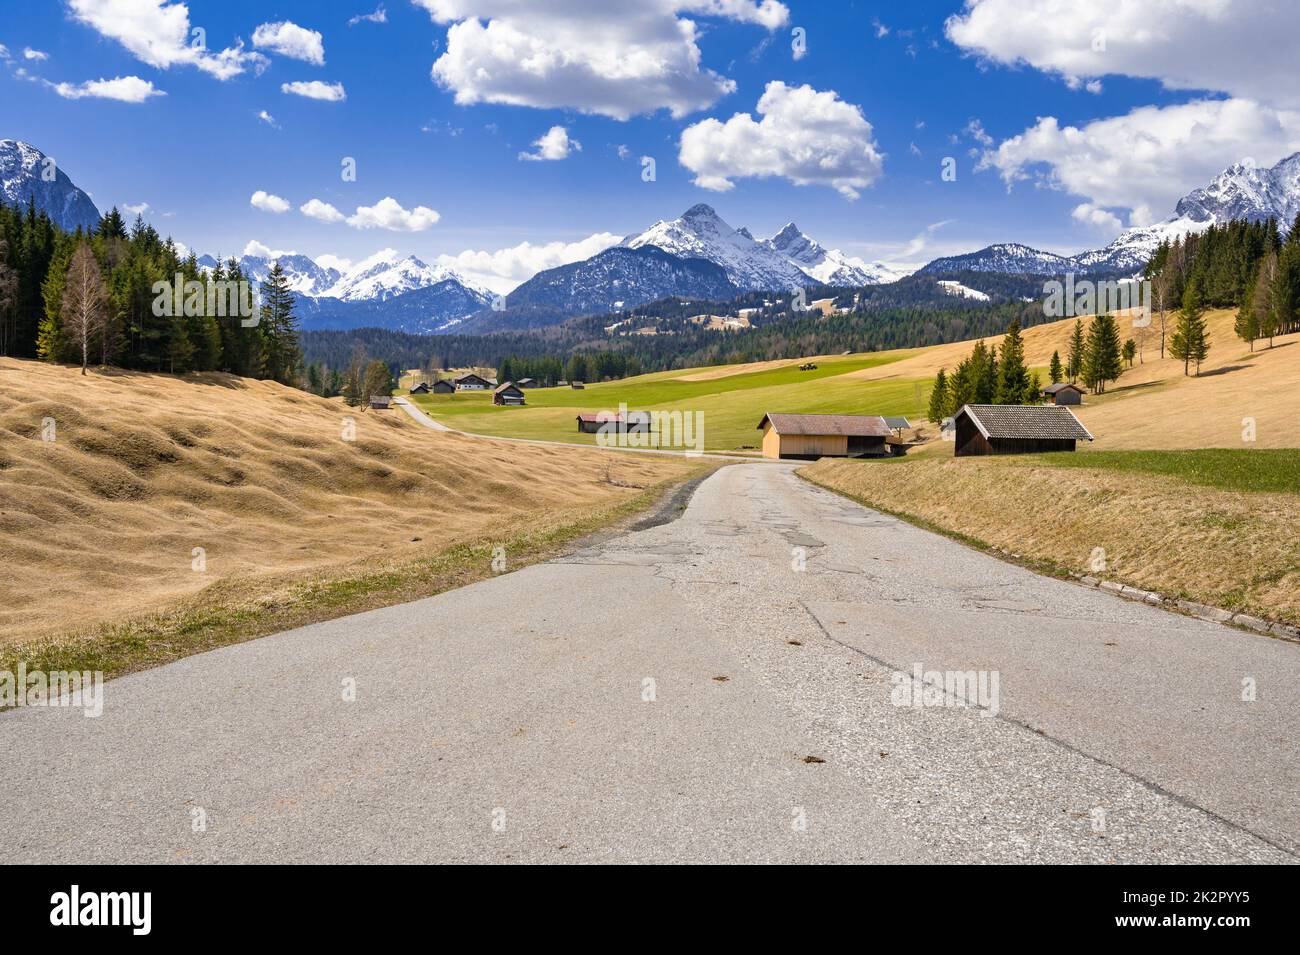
(507, 394)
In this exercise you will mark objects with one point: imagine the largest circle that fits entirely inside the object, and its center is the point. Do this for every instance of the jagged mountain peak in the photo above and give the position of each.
(27, 174)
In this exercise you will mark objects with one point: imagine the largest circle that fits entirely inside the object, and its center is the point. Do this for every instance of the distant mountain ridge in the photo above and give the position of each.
(695, 256)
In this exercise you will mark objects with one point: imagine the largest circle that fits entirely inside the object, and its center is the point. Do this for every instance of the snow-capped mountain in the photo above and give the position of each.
(701, 233)
(24, 176)
(386, 275)
(828, 266)
(1242, 191)
(1007, 257)
(305, 276)
(1245, 191)
(622, 275)
(387, 290)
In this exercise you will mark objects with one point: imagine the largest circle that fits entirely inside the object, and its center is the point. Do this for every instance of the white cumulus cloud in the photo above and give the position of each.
(1242, 47)
(504, 269)
(611, 59)
(158, 33)
(388, 213)
(40, 56)
(289, 39)
(807, 136)
(124, 89)
(136, 209)
(258, 250)
(315, 89)
(320, 211)
(268, 203)
(554, 144)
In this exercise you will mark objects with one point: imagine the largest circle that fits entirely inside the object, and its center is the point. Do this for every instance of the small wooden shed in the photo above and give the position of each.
(507, 394)
(1063, 393)
(421, 389)
(1016, 429)
(443, 387)
(634, 422)
(812, 436)
(380, 402)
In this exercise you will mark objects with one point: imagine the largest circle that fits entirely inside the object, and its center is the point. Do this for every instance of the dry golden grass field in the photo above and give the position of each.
(1153, 406)
(100, 525)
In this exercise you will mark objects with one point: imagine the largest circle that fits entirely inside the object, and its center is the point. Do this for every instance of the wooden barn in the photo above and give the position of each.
(526, 383)
(507, 394)
(1063, 393)
(473, 382)
(421, 389)
(612, 422)
(811, 436)
(443, 387)
(380, 402)
(1016, 429)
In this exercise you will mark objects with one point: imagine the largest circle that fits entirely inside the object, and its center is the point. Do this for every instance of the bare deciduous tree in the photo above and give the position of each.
(85, 303)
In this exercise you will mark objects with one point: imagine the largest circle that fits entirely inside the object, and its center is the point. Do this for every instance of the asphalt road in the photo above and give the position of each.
(688, 693)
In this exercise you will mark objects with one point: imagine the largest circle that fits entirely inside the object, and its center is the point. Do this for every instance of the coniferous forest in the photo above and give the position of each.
(111, 313)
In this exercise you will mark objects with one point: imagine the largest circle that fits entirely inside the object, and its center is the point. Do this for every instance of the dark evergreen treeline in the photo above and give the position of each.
(681, 343)
(1239, 264)
(121, 316)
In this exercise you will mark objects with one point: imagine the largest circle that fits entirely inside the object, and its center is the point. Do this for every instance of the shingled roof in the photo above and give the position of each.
(1051, 422)
(853, 425)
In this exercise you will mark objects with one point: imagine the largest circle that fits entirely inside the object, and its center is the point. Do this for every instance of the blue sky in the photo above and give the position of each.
(1089, 140)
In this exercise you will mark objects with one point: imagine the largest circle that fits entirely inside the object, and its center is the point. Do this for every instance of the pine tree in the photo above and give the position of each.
(1130, 351)
(938, 409)
(279, 328)
(1102, 356)
(1013, 377)
(1074, 357)
(1034, 395)
(1054, 370)
(1190, 343)
(1247, 322)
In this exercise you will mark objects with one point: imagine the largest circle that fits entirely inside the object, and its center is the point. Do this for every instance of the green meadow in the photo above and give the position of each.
(732, 406)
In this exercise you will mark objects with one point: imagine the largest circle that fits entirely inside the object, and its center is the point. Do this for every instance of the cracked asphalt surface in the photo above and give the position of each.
(688, 693)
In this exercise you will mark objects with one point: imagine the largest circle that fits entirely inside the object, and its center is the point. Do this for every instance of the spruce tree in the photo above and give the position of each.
(1190, 343)
(279, 328)
(1130, 351)
(1102, 355)
(1246, 324)
(1054, 370)
(938, 398)
(1074, 357)
(1013, 377)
